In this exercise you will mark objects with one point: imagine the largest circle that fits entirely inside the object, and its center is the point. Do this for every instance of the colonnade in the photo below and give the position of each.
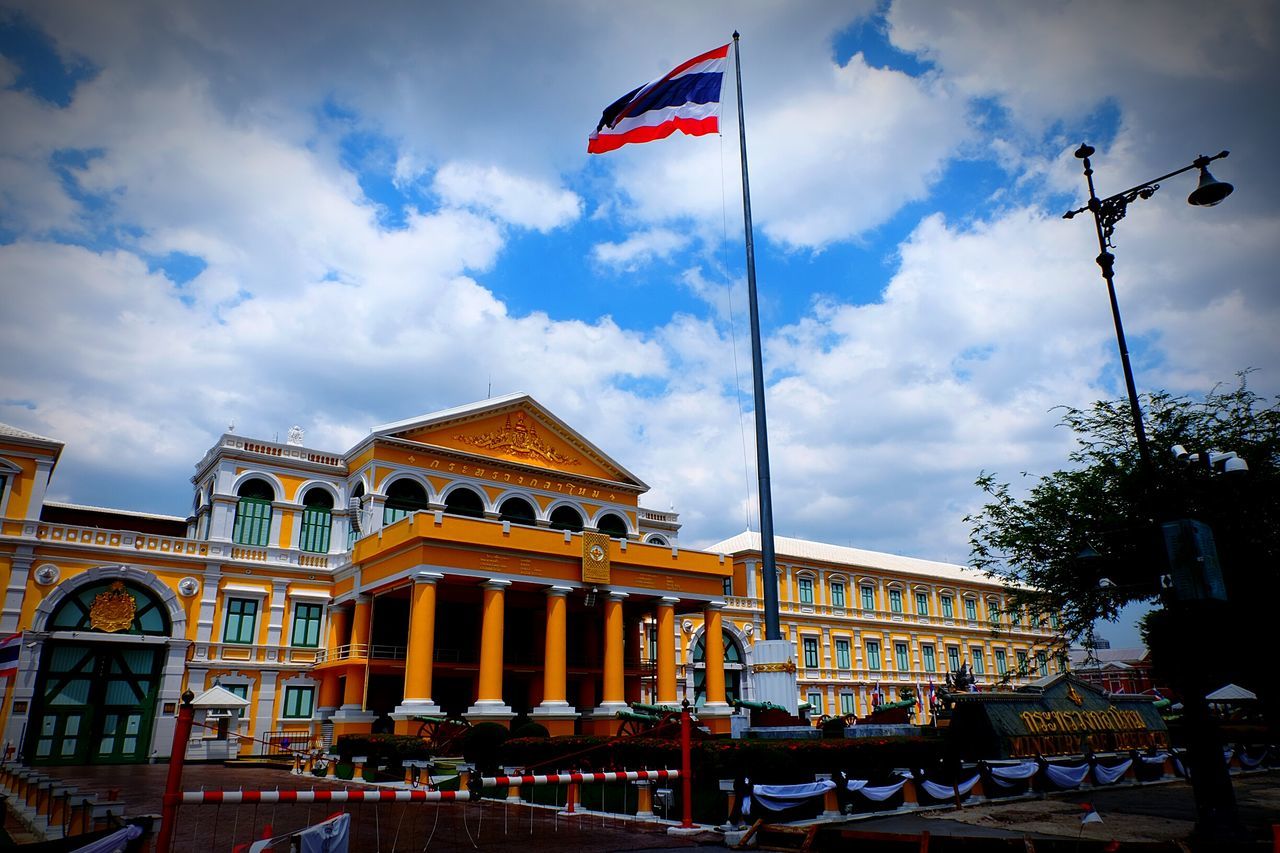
(350, 658)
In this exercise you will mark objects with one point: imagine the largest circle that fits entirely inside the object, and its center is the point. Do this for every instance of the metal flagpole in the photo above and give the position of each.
(770, 569)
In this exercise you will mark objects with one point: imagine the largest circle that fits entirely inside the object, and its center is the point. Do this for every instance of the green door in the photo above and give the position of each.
(95, 704)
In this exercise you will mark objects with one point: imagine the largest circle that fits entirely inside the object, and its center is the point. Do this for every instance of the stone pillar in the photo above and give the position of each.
(330, 694)
(420, 656)
(666, 663)
(489, 705)
(555, 712)
(352, 718)
(613, 697)
(715, 712)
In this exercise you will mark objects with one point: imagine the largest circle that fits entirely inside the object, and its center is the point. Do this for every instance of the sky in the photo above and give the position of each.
(338, 215)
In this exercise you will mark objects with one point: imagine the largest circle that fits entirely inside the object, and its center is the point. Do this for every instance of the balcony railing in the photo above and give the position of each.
(250, 653)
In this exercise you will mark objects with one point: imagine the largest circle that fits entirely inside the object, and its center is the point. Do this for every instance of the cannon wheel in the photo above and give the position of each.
(443, 735)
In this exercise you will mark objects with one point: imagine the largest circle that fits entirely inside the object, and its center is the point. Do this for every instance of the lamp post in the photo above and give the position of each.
(1216, 815)
(1106, 213)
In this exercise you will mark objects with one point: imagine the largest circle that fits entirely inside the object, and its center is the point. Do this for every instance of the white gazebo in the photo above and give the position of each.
(212, 737)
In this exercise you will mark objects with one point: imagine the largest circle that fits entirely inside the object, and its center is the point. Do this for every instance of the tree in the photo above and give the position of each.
(1099, 519)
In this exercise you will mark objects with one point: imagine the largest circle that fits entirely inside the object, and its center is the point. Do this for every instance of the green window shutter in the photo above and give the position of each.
(298, 702)
(317, 522)
(306, 625)
(253, 522)
(242, 617)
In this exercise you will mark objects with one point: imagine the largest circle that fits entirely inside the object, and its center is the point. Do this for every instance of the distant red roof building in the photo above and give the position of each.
(1114, 670)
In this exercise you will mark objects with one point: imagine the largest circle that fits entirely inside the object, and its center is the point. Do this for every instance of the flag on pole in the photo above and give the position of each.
(1090, 814)
(10, 649)
(686, 99)
(919, 696)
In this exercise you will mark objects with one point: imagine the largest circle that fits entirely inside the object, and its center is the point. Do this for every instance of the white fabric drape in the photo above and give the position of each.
(1008, 776)
(1246, 761)
(1158, 758)
(942, 792)
(1110, 775)
(113, 843)
(879, 794)
(1066, 775)
(779, 797)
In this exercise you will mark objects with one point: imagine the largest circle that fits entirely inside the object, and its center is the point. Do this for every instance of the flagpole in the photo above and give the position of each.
(772, 631)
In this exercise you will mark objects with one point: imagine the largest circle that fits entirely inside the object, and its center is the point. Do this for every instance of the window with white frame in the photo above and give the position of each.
(1023, 668)
(895, 600)
(903, 658)
(971, 609)
(298, 702)
(868, 597)
(979, 660)
(922, 604)
(953, 658)
(240, 625)
(307, 616)
(810, 652)
(1002, 662)
(837, 594)
(843, 660)
(1042, 662)
(946, 602)
(873, 654)
(815, 703)
(806, 590)
(930, 657)
(846, 703)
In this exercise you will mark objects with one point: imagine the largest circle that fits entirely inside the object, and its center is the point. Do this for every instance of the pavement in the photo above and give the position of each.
(1149, 813)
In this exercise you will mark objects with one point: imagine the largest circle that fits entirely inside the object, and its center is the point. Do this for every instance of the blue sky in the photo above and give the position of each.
(305, 213)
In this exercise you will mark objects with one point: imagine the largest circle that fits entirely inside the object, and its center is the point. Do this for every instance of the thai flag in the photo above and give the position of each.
(919, 696)
(687, 99)
(933, 694)
(10, 648)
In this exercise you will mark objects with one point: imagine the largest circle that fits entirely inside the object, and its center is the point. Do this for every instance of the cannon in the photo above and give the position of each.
(442, 734)
(644, 719)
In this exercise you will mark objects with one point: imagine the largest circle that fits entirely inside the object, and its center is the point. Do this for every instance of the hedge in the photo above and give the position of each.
(382, 749)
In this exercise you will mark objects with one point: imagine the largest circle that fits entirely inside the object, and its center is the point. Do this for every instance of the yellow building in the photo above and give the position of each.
(485, 562)
(866, 624)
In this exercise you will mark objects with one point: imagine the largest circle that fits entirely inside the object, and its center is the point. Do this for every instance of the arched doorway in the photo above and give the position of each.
(95, 697)
(732, 669)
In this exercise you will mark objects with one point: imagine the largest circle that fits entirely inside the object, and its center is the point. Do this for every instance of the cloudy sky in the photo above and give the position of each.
(339, 215)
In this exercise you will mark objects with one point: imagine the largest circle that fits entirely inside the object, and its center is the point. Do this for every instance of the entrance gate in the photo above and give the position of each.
(95, 697)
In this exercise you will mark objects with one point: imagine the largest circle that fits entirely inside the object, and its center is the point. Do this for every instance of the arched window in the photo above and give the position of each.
(517, 511)
(655, 539)
(566, 518)
(464, 502)
(100, 606)
(317, 520)
(253, 513)
(611, 524)
(403, 497)
(732, 669)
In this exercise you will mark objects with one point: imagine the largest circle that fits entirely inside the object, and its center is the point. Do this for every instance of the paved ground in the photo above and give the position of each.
(1153, 813)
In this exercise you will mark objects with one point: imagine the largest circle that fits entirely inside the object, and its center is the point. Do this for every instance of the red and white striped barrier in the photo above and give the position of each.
(563, 778)
(334, 796)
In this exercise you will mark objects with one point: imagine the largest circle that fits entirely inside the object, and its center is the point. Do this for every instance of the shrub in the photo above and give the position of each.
(481, 745)
(531, 730)
(382, 749)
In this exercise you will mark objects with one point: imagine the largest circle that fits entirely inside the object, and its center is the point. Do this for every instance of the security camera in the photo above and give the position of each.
(1180, 454)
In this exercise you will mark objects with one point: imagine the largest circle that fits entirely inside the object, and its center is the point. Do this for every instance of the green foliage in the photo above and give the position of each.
(531, 730)
(382, 749)
(1105, 502)
(481, 744)
(345, 770)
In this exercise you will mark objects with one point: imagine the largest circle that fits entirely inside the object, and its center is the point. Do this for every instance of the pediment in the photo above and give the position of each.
(513, 429)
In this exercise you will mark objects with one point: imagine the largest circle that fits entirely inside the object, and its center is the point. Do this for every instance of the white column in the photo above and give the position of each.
(20, 570)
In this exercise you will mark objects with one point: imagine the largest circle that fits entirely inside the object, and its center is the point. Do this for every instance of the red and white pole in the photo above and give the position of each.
(686, 786)
(173, 781)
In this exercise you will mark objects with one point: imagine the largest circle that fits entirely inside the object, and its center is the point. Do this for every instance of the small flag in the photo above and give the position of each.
(686, 99)
(1090, 814)
(10, 649)
(919, 696)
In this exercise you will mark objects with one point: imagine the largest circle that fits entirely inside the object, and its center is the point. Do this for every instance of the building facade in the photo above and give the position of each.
(866, 625)
(486, 563)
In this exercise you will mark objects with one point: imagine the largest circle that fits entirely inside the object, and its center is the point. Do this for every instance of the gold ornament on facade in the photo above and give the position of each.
(1073, 695)
(785, 666)
(112, 609)
(595, 558)
(518, 438)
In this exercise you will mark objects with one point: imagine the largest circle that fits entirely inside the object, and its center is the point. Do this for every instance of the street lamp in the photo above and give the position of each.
(1106, 213)
(1211, 784)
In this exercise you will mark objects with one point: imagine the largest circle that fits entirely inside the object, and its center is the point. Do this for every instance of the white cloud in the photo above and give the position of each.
(518, 200)
(640, 248)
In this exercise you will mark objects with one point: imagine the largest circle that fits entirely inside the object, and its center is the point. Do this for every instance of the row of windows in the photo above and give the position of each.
(241, 623)
(929, 658)
(896, 604)
(299, 702)
(404, 497)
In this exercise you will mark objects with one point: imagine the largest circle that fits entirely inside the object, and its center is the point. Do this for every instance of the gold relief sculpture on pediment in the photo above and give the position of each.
(113, 609)
(519, 437)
